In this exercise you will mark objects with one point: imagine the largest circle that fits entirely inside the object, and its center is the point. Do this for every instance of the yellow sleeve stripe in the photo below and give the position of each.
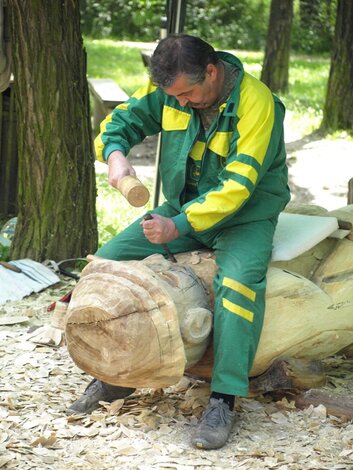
(98, 143)
(197, 150)
(239, 287)
(123, 106)
(256, 113)
(243, 169)
(238, 310)
(217, 205)
(144, 91)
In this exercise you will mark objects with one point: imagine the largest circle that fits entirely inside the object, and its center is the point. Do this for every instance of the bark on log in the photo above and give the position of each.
(290, 374)
(335, 405)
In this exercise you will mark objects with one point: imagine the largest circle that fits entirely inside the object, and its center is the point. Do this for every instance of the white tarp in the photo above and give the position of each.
(33, 278)
(297, 233)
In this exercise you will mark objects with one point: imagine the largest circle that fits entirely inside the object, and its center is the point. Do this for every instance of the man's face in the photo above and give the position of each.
(200, 95)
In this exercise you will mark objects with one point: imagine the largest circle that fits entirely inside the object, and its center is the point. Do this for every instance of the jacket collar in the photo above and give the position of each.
(232, 103)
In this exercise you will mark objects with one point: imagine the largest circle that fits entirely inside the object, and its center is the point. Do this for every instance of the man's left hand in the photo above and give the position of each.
(159, 229)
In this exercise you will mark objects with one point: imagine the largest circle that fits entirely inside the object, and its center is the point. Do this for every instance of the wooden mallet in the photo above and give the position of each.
(133, 191)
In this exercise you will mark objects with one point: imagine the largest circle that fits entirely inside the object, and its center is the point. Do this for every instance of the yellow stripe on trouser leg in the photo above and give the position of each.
(242, 253)
(239, 287)
(238, 310)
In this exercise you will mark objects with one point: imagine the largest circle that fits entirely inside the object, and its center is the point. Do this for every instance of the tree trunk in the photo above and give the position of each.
(338, 109)
(56, 197)
(276, 62)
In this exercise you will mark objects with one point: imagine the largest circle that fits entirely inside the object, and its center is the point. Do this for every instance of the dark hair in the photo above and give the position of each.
(178, 54)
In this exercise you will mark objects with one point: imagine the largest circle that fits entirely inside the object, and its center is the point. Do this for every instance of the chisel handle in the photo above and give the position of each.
(10, 266)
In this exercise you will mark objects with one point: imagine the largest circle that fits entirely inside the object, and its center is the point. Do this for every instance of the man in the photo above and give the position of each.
(224, 179)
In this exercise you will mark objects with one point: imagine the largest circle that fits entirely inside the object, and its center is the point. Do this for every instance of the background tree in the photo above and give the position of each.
(276, 61)
(313, 26)
(338, 109)
(56, 196)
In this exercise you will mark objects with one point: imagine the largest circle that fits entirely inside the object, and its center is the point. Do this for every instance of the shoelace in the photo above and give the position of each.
(215, 415)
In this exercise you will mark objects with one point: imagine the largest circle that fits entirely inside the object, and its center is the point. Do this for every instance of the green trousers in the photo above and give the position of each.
(242, 253)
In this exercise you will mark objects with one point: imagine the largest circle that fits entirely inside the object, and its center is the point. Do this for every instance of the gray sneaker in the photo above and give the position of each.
(95, 392)
(215, 425)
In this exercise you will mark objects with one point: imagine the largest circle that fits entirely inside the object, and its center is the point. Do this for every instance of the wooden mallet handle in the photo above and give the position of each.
(134, 191)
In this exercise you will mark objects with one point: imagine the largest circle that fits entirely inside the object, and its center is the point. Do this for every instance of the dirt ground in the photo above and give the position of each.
(152, 429)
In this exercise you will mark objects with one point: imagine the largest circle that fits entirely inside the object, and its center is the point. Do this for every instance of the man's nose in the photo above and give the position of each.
(183, 101)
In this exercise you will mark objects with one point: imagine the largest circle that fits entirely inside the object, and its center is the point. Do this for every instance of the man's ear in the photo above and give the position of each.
(211, 71)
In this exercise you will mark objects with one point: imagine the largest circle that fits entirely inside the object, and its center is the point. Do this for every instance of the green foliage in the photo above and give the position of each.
(313, 33)
(236, 25)
(4, 253)
(124, 19)
(226, 23)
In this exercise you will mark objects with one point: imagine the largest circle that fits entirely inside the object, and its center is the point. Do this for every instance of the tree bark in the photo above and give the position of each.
(338, 109)
(56, 196)
(276, 62)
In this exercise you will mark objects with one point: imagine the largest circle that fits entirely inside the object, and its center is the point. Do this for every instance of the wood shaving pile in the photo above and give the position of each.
(152, 428)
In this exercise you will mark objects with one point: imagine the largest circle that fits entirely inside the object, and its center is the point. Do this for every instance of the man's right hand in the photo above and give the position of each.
(118, 167)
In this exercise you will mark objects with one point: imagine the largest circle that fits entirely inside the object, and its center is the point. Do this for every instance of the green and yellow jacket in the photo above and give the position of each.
(242, 160)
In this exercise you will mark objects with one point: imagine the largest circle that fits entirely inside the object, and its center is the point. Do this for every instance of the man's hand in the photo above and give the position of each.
(159, 229)
(118, 167)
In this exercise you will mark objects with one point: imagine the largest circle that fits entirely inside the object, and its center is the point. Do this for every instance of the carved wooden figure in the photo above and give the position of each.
(143, 323)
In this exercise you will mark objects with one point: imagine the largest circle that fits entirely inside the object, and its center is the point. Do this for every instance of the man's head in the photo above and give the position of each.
(189, 69)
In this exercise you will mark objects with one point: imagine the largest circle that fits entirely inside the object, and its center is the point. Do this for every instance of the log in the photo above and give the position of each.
(335, 274)
(143, 323)
(335, 405)
(289, 374)
(131, 323)
(292, 301)
(283, 374)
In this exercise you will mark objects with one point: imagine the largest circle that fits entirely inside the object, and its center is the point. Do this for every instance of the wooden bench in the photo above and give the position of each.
(106, 96)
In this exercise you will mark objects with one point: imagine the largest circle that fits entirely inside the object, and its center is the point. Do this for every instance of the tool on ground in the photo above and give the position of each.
(11, 267)
(134, 191)
(23, 277)
(170, 255)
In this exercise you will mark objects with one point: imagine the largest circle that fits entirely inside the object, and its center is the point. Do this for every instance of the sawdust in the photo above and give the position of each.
(152, 428)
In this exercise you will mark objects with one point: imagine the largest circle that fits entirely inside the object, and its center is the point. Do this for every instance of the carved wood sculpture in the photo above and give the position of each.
(142, 323)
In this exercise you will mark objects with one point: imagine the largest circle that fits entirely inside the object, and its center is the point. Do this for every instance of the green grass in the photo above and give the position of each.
(109, 59)
(113, 211)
